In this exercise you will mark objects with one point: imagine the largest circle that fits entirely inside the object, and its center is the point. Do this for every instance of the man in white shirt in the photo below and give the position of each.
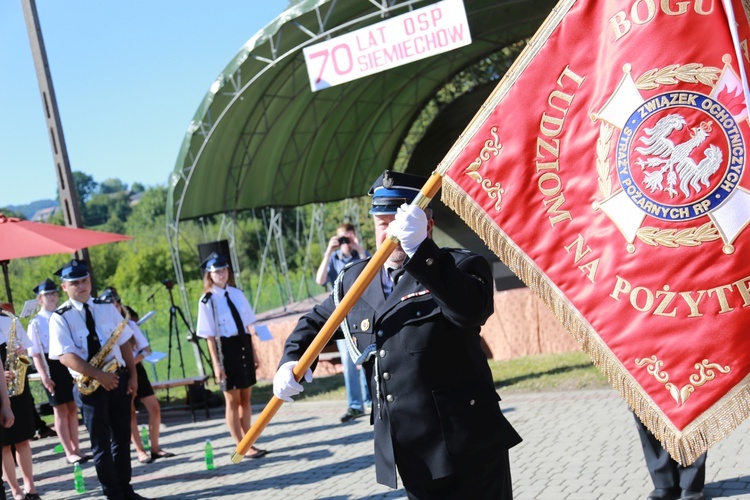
(78, 330)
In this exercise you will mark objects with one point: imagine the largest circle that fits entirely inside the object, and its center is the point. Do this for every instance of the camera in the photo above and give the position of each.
(343, 240)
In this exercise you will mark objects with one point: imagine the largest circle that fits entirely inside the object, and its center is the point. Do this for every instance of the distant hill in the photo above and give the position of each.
(30, 209)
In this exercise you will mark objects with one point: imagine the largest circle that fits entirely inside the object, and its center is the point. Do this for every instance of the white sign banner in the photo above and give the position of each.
(416, 35)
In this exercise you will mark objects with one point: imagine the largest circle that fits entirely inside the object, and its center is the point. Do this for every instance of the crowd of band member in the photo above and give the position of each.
(70, 346)
(61, 341)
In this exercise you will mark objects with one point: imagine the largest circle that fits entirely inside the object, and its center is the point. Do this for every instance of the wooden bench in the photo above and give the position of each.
(165, 384)
(187, 383)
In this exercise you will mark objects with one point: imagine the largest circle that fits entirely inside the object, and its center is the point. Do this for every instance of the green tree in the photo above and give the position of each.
(10, 213)
(112, 186)
(85, 186)
(149, 211)
(144, 262)
(106, 207)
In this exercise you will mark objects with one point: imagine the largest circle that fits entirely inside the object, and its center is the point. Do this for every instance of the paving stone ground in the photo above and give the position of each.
(577, 445)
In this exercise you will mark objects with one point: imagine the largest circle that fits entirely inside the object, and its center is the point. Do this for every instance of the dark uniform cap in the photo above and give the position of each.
(73, 270)
(393, 189)
(214, 262)
(109, 296)
(46, 286)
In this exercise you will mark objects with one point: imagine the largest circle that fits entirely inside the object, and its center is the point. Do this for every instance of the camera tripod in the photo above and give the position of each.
(174, 312)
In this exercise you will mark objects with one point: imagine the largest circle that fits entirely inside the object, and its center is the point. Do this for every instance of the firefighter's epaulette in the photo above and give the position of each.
(206, 297)
(62, 310)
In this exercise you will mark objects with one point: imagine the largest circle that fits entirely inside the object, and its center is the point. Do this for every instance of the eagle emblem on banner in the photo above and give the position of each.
(680, 157)
(607, 170)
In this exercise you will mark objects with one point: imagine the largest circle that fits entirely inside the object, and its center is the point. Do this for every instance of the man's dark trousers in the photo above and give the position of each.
(666, 473)
(106, 415)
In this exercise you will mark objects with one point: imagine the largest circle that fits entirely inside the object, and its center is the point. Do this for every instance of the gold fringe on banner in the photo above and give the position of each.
(684, 446)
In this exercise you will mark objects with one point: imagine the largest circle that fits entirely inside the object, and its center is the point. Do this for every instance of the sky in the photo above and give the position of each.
(128, 77)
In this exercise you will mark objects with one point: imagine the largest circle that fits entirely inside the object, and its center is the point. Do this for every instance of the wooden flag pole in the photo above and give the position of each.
(428, 191)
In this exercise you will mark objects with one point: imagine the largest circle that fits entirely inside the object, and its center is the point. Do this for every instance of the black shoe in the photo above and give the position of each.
(662, 494)
(45, 432)
(135, 496)
(351, 414)
(692, 495)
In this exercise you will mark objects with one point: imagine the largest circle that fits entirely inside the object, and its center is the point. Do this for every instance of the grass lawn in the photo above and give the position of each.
(545, 372)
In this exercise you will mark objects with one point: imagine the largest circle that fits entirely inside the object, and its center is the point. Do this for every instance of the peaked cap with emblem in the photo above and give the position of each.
(393, 189)
(73, 270)
(109, 296)
(214, 262)
(46, 286)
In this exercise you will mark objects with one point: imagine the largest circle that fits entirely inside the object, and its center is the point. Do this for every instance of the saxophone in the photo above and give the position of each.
(14, 363)
(87, 385)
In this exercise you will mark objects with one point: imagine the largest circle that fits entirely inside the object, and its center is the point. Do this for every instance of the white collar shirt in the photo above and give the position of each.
(141, 342)
(68, 333)
(21, 338)
(39, 332)
(215, 316)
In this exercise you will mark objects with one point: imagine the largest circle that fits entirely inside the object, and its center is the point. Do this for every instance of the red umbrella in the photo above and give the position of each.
(22, 238)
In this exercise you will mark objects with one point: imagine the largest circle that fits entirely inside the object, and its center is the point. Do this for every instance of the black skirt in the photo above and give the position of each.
(238, 361)
(23, 413)
(63, 383)
(144, 385)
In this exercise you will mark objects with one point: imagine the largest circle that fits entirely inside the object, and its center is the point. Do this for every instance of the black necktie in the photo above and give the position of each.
(235, 314)
(92, 340)
(395, 274)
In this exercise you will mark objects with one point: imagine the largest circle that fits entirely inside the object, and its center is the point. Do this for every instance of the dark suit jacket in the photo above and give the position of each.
(435, 408)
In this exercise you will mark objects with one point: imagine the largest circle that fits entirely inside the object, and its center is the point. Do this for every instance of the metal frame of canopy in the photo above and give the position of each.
(268, 141)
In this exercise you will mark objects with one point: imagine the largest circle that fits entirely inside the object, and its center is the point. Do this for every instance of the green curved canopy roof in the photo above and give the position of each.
(262, 138)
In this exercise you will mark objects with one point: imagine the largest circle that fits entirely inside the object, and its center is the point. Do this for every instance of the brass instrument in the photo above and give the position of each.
(87, 385)
(15, 363)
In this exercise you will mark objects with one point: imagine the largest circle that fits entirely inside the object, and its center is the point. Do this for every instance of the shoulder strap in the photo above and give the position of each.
(338, 292)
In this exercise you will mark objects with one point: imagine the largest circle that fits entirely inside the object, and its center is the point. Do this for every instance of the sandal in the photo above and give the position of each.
(86, 458)
(146, 459)
(161, 454)
(32, 496)
(73, 459)
(258, 453)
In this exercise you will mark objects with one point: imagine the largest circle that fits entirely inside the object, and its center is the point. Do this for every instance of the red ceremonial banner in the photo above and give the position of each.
(607, 171)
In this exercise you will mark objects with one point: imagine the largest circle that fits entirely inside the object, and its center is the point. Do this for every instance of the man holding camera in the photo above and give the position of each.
(343, 249)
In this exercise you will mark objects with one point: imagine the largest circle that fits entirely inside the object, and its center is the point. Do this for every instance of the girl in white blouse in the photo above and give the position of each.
(225, 320)
(55, 377)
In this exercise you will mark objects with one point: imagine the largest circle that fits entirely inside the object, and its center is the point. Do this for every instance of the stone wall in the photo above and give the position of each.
(521, 325)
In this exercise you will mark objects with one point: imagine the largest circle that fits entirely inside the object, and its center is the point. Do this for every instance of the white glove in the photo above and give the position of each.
(410, 227)
(284, 384)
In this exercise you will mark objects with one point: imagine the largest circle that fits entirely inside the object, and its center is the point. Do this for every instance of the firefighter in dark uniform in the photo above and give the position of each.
(415, 330)
(80, 329)
(671, 480)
